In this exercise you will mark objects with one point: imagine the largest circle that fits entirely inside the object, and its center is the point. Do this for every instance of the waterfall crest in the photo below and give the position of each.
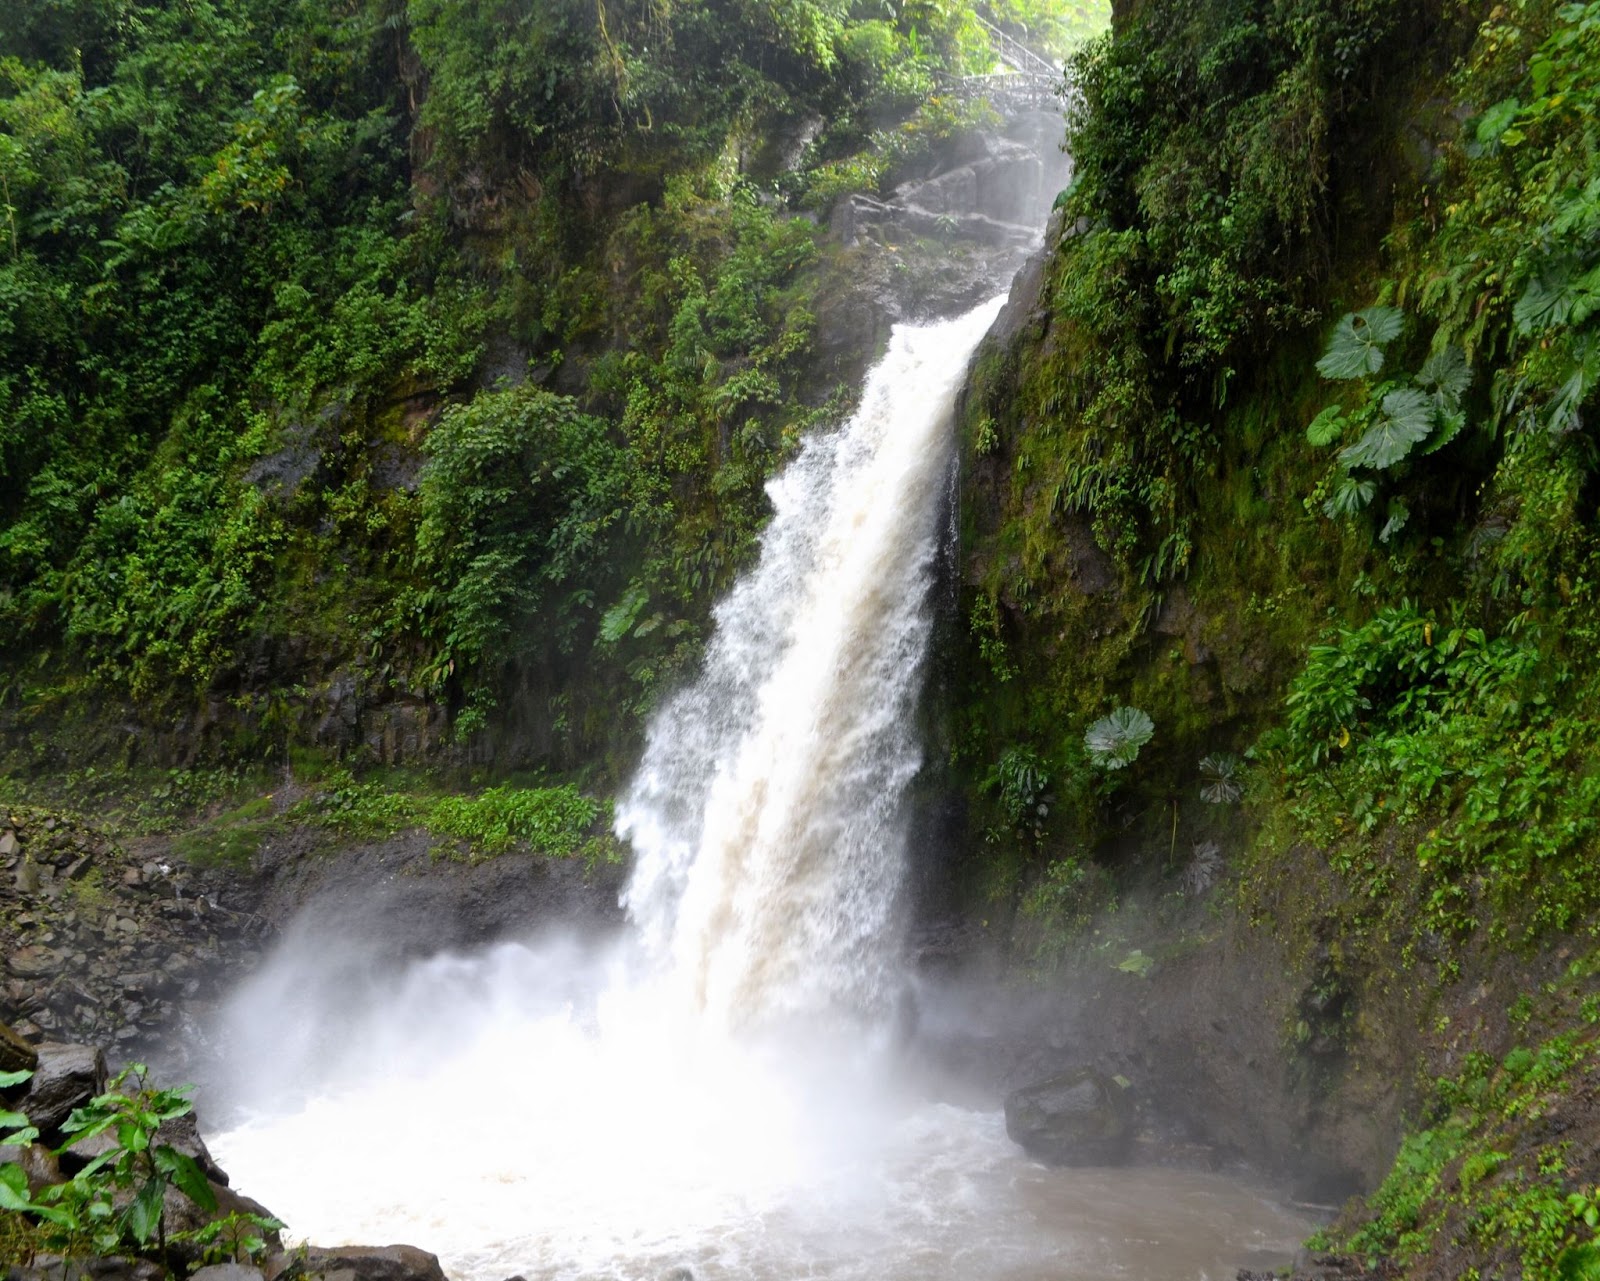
(767, 813)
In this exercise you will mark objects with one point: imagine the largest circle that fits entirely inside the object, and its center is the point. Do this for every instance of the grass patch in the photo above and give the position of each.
(556, 821)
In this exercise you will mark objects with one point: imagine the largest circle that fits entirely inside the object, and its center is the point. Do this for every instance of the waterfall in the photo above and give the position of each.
(767, 816)
(710, 1095)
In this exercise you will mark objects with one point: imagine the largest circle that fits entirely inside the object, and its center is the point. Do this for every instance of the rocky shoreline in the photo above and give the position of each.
(103, 944)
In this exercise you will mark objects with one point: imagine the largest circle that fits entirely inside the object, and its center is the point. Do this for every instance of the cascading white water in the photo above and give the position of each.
(767, 817)
(710, 1092)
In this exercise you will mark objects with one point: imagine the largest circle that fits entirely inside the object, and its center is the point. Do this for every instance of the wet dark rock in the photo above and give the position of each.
(37, 1162)
(35, 962)
(358, 1263)
(281, 474)
(183, 1133)
(226, 1272)
(16, 1054)
(68, 1076)
(1079, 1117)
(113, 1268)
(179, 1214)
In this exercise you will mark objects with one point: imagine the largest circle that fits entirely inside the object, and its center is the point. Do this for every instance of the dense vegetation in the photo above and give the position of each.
(432, 355)
(382, 353)
(1299, 466)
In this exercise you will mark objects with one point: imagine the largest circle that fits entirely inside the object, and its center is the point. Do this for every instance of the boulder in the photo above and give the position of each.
(226, 1272)
(1079, 1117)
(183, 1133)
(38, 1163)
(179, 1214)
(68, 1076)
(16, 1055)
(357, 1263)
(35, 962)
(48, 1267)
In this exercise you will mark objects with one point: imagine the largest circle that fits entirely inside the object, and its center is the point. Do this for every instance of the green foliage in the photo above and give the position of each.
(1020, 783)
(114, 1203)
(1068, 896)
(517, 499)
(553, 822)
(1356, 348)
(1404, 419)
(556, 821)
(247, 253)
(1220, 778)
(1392, 417)
(1471, 1181)
(1113, 741)
(1405, 721)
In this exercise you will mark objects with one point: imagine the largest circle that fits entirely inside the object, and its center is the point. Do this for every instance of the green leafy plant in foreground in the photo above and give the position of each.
(115, 1202)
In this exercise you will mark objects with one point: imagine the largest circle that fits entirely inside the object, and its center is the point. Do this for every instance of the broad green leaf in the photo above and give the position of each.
(1496, 120)
(1586, 296)
(96, 1165)
(1583, 375)
(1383, 324)
(8, 1079)
(1398, 515)
(132, 1137)
(1327, 426)
(616, 621)
(1579, 214)
(1355, 349)
(13, 1118)
(186, 1176)
(167, 1104)
(1114, 741)
(1136, 962)
(85, 1123)
(1447, 374)
(1451, 422)
(15, 1178)
(144, 1212)
(1406, 420)
(58, 1215)
(1561, 293)
(1351, 495)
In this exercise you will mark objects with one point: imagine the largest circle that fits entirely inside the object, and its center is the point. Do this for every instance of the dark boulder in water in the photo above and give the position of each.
(1079, 1117)
(358, 1263)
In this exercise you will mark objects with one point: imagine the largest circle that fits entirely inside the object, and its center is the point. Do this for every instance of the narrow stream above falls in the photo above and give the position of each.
(722, 1089)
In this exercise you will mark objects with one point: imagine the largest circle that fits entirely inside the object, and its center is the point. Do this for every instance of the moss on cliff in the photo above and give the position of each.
(1369, 573)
